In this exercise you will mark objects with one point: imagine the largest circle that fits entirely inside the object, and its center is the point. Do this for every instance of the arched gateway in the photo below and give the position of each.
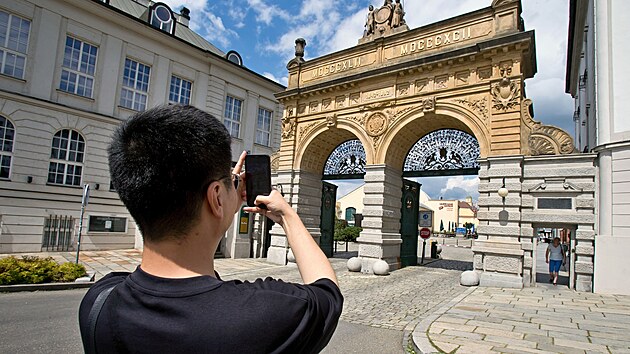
(464, 74)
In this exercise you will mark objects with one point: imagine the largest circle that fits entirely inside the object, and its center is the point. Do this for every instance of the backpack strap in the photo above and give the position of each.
(93, 317)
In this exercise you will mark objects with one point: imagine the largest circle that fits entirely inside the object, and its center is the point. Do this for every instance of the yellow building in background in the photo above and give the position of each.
(450, 213)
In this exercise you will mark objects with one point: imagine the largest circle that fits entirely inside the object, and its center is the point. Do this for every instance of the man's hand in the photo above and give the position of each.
(238, 170)
(277, 207)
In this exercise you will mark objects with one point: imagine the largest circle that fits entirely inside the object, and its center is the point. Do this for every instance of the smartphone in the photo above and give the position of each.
(257, 177)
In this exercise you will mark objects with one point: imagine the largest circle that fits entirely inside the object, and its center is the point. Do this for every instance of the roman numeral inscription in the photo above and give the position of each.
(436, 41)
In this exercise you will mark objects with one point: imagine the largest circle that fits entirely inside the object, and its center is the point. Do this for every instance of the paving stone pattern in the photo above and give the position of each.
(534, 320)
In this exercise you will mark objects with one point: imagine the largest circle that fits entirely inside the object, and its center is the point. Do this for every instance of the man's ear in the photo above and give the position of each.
(215, 199)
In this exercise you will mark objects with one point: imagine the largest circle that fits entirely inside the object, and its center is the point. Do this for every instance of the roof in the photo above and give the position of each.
(138, 10)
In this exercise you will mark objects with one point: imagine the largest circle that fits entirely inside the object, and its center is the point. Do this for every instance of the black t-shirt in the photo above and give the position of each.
(149, 314)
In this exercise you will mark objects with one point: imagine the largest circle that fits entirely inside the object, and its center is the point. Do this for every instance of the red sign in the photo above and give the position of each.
(425, 233)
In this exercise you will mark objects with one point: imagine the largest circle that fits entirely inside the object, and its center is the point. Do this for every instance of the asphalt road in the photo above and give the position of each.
(46, 322)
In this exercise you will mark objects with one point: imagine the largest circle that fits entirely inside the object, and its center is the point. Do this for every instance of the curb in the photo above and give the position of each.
(44, 287)
(419, 336)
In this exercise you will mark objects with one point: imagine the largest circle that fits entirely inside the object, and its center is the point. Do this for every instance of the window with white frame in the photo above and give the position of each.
(135, 85)
(14, 33)
(232, 116)
(263, 127)
(79, 64)
(7, 136)
(66, 158)
(180, 90)
(162, 18)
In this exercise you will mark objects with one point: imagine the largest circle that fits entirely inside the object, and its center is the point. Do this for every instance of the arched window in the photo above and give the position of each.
(7, 136)
(66, 158)
(162, 18)
(350, 213)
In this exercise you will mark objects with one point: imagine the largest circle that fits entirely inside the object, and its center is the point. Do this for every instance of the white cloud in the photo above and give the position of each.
(266, 13)
(192, 5)
(214, 30)
(283, 80)
(459, 187)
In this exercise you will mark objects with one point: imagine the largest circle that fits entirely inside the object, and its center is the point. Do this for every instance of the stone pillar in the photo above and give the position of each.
(498, 254)
(303, 190)
(380, 238)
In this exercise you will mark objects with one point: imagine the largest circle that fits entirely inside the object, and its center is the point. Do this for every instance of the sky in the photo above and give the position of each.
(264, 33)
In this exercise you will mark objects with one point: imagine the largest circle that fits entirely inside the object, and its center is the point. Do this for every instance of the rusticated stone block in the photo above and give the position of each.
(478, 261)
(588, 250)
(584, 267)
(503, 264)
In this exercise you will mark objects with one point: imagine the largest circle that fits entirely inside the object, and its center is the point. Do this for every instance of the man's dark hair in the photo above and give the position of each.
(161, 162)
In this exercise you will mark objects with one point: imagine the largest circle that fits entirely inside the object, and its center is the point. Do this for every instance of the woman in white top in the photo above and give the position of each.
(555, 257)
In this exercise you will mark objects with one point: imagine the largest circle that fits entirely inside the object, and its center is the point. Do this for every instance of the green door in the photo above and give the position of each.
(409, 223)
(327, 224)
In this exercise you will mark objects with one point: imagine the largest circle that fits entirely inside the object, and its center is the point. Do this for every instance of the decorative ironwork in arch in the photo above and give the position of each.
(443, 152)
(347, 161)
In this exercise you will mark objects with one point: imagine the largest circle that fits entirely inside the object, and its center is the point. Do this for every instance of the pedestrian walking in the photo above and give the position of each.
(555, 256)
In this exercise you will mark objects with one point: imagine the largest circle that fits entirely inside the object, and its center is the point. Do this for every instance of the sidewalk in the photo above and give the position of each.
(544, 319)
(102, 263)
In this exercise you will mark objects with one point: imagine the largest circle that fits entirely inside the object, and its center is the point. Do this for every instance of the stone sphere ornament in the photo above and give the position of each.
(469, 278)
(439, 249)
(354, 264)
(380, 267)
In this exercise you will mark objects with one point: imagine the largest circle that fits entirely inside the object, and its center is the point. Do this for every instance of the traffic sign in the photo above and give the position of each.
(425, 233)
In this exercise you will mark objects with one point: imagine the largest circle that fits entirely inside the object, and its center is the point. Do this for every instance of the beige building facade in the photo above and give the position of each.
(75, 70)
(464, 74)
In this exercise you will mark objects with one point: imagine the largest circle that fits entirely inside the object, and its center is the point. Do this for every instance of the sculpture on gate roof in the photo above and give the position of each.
(386, 20)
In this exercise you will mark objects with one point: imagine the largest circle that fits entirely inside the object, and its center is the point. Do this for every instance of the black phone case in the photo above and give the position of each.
(257, 177)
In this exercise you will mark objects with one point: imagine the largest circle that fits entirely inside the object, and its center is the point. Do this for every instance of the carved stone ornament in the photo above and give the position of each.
(304, 130)
(376, 124)
(496, 3)
(505, 94)
(556, 185)
(476, 105)
(428, 104)
(288, 127)
(545, 139)
(331, 121)
(275, 161)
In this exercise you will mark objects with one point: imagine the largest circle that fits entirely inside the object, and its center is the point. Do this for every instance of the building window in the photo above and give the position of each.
(107, 224)
(66, 158)
(350, 214)
(14, 32)
(79, 64)
(263, 127)
(162, 18)
(135, 85)
(180, 91)
(7, 135)
(232, 117)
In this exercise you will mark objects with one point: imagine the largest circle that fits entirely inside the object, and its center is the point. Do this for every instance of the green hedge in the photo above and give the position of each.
(348, 234)
(35, 270)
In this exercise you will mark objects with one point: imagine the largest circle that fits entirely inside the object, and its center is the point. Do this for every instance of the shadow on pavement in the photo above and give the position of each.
(346, 255)
(543, 278)
(450, 264)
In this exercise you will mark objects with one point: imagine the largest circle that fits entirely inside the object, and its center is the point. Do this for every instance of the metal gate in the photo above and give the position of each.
(58, 231)
(327, 223)
(409, 223)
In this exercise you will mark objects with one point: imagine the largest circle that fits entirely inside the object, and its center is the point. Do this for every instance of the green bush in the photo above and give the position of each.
(348, 234)
(35, 270)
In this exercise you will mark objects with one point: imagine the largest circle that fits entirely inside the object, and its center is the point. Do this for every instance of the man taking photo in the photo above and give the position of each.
(171, 167)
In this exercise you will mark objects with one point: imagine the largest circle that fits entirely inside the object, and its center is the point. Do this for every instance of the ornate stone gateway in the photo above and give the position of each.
(457, 84)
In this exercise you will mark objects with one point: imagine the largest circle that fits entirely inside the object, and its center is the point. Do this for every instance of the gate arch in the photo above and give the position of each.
(417, 123)
(319, 140)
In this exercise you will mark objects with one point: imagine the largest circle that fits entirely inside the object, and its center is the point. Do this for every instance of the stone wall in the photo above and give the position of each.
(505, 252)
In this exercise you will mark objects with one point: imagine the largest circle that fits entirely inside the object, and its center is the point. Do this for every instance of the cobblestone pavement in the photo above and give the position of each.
(543, 319)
